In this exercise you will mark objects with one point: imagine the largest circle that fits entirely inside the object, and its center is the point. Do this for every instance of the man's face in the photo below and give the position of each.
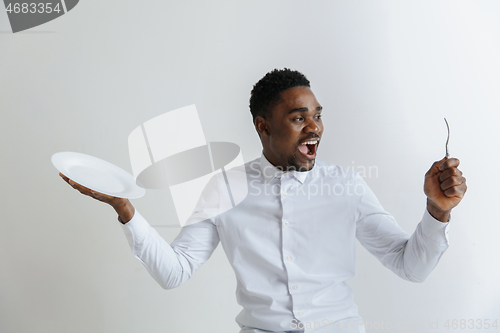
(296, 120)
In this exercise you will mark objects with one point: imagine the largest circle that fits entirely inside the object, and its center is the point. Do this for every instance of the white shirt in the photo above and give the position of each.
(291, 243)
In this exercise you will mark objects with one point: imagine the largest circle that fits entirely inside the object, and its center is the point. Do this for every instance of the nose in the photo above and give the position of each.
(312, 126)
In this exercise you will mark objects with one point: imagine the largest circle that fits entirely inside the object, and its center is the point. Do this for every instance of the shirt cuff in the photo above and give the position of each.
(136, 229)
(434, 229)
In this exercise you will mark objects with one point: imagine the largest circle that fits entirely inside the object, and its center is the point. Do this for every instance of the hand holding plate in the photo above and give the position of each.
(113, 201)
(121, 205)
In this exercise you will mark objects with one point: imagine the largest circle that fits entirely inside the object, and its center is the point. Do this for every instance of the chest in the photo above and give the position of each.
(277, 216)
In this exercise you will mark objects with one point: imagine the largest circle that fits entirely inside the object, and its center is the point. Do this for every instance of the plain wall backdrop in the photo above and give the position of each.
(386, 73)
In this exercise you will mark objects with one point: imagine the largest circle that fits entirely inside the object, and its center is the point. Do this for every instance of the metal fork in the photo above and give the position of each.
(448, 139)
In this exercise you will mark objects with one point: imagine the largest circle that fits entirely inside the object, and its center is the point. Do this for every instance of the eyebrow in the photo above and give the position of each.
(319, 108)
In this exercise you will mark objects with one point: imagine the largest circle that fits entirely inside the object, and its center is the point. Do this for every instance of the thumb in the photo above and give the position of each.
(435, 166)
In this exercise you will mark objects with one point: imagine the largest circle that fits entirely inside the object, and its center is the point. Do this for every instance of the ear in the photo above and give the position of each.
(261, 126)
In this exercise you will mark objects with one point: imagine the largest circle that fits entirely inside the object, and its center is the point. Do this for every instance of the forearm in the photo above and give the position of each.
(157, 255)
(424, 249)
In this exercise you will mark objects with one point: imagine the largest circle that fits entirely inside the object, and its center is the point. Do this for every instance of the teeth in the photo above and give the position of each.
(313, 142)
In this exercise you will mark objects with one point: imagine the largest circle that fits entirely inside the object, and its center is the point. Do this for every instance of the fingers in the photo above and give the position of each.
(452, 182)
(82, 189)
(66, 179)
(436, 164)
(450, 172)
(434, 169)
(444, 164)
(449, 163)
(99, 196)
(456, 191)
(91, 193)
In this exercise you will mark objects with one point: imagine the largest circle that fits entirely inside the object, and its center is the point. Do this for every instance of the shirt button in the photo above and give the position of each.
(288, 258)
(285, 194)
(299, 314)
(287, 224)
(294, 287)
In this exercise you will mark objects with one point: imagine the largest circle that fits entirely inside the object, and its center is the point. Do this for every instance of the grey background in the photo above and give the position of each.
(386, 73)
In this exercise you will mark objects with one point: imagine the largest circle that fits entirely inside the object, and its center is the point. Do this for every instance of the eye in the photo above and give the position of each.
(298, 119)
(318, 116)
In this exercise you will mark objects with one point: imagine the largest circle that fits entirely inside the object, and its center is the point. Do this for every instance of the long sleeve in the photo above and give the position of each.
(411, 257)
(171, 264)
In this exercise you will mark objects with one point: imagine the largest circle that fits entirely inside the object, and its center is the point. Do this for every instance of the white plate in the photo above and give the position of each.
(97, 174)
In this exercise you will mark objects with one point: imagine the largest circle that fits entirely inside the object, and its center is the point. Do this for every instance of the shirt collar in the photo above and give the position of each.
(270, 172)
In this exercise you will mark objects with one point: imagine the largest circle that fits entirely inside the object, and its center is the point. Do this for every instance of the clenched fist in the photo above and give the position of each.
(444, 187)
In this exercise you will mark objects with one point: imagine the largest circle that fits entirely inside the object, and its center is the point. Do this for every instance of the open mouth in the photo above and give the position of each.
(308, 148)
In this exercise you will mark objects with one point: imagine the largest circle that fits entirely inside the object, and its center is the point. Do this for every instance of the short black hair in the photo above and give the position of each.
(267, 91)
